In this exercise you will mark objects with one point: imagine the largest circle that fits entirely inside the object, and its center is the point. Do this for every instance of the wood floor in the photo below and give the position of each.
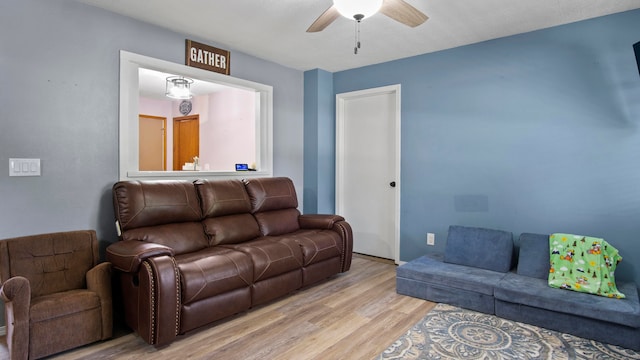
(355, 315)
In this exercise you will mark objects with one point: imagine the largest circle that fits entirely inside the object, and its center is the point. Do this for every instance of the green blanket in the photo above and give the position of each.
(584, 264)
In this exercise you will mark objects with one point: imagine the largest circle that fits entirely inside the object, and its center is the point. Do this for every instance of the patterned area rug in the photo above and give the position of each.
(448, 332)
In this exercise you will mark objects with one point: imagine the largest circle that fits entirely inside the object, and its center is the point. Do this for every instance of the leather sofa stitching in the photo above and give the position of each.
(178, 292)
(266, 267)
(238, 270)
(152, 301)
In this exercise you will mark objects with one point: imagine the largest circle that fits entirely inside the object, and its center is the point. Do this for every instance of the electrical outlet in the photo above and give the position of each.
(431, 239)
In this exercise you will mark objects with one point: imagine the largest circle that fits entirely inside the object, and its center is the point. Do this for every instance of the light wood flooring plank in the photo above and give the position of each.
(355, 315)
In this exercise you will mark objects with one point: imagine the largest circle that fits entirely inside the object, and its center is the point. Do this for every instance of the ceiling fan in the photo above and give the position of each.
(398, 10)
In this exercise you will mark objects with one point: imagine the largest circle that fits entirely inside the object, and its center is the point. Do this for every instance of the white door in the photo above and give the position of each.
(368, 168)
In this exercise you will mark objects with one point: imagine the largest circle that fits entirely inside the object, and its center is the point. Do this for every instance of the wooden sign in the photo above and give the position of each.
(207, 57)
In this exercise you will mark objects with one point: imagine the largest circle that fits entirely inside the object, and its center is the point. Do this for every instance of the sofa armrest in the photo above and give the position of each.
(99, 281)
(336, 223)
(319, 221)
(16, 293)
(344, 229)
(152, 300)
(127, 256)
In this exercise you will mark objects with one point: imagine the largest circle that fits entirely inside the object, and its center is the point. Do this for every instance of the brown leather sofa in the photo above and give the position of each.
(193, 253)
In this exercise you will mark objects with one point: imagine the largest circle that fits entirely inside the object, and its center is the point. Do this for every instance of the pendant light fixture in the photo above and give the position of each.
(178, 87)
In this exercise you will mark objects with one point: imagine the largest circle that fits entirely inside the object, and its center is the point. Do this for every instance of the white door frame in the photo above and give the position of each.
(340, 120)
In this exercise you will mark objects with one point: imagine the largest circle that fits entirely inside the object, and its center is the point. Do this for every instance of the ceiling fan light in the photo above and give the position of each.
(349, 8)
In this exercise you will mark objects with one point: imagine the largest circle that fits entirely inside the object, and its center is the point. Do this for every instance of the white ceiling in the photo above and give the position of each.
(275, 30)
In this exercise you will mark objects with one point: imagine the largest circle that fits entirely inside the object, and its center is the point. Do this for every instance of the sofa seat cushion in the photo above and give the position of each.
(213, 271)
(77, 310)
(536, 292)
(317, 245)
(271, 256)
(431, 269)
(61, 304)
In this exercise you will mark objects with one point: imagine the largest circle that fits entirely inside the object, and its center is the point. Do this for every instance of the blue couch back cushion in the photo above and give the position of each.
(533, 256)
(482, 248)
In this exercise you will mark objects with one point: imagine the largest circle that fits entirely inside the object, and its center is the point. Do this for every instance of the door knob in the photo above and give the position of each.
(392, 184)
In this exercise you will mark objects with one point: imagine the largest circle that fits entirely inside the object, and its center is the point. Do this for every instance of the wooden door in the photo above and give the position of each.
(152, 143)
(186, 140)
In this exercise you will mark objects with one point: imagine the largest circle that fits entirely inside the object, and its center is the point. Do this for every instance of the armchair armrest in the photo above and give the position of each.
(127, 256)
(16, 293)
(319, 221)
(17, 289)
(99, 281)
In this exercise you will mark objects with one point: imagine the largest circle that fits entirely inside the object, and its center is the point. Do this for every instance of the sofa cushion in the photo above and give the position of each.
(481, 248)
(149, 203)
(536, 292)
(317, 245)
(231, 229)
(223, 197)
(271, 193)
(52, 262)
(533, 256)
(46, 307)
(432, 270)
(278, 222)
(181, 237)
(213, 271)
(271, 256)
(79, 311)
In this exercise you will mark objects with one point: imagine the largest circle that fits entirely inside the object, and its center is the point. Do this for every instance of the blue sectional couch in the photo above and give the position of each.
(475, 260)
(478, 271)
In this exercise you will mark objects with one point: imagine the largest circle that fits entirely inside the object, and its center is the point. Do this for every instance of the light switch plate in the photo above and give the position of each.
(431, 239)
(24, 167)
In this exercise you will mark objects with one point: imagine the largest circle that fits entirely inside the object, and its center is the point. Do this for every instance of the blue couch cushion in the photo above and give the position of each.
(533, 256)
(481, 248)
(534, 292)
(430, 269)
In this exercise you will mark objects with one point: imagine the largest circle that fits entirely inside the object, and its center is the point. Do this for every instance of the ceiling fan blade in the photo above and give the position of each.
(403, 12)
(324, 20)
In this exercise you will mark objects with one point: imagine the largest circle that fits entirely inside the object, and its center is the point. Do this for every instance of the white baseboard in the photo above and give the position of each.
(3, 330)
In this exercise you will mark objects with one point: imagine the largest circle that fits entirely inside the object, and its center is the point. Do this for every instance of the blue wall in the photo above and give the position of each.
(63, 108)
(536, 132)
(319, 142)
